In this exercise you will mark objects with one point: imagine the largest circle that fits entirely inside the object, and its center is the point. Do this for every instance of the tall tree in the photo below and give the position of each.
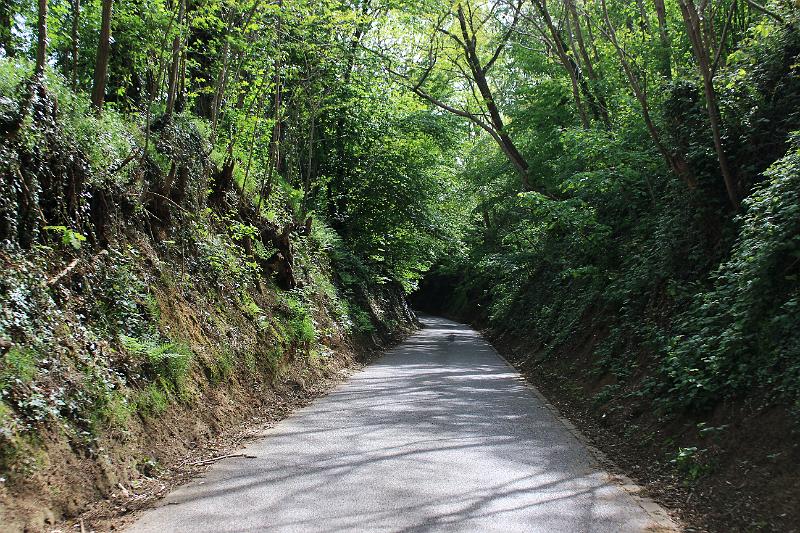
(554, 38)
(101, 65)
(596, 98)
(665, 50)
(76, 13)
(702, 43)
(336, 187)
(172, 89)
(465, 25)
(41, 36)
(639, 88)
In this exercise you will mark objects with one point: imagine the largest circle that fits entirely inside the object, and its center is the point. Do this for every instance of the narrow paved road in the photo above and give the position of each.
(438, 435)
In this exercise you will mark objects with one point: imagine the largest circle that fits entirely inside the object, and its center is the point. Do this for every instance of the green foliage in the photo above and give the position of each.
(300, 321)
(105, 142)
(168, 363)
(143, 196)
(222, 366)
(399, 200)
(689, 463)
(286, 113)
(118, 410)
(153, 400)
(689, 304)
(250, 307)
(362, 322)
(742, 332)
(165, 366)
(122, 293)
(153, 308)
(68, 237)
(19, 367)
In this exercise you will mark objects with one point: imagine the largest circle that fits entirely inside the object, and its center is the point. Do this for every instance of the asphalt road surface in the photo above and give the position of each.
(440, 434)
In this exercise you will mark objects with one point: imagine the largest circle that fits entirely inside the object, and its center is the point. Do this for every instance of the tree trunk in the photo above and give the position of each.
(338, 204)
(101, 66)
(665, 53)
(257, 131)
(675, 162)
(643, 15)
(506, 144)
(76, 13)
(180, 102)
(563, 56)
(41, 35)
(702, 54)
(222, 79)
(479, 74)
(274, 147)
(602, 105)
(590, 34)
(174, 70)
(576, 72)
(309, 173)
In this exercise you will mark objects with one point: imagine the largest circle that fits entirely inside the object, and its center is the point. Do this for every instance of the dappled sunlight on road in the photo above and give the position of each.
(438, 435)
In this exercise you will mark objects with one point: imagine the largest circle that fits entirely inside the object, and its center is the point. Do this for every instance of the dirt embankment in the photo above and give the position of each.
(186, 445)
(252, 356)
(736, 468)
(131, 468)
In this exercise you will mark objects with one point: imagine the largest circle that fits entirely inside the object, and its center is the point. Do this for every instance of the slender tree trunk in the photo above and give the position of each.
(762, 9)
(251, 152)
(216, 102)
(275, 141)
(574, 59)
(257, 131)
(222, 79)
(722, 39)
(41, 35)
(154, 75)
(563, 56)
(101, 66)
(643, 15)
(602, 105)
(676, 163)
(76, 14)
(235, 57)
(278, 102)
(590, 34)
(702, 54)
(174, 70)
(506, 144)
(180, 101)
(665, 53)
(309, 174)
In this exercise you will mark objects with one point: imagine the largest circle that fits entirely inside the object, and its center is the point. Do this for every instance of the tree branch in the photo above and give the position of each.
(472, 117)
(452, 36)
(766, 11)
(505, 38)
(722, 38)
